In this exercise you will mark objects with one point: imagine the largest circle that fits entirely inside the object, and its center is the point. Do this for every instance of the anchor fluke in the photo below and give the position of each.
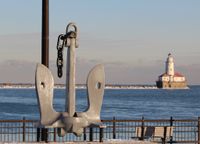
(95, 90)
(44, 88)
(95, 87)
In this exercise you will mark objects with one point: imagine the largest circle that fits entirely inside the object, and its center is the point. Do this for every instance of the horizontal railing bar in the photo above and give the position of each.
(17, 121)
(118, 120)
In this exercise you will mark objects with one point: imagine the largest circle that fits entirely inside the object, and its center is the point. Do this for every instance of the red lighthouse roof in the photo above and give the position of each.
(177, 74)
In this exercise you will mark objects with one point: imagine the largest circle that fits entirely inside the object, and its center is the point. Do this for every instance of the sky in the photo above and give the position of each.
(132, 38)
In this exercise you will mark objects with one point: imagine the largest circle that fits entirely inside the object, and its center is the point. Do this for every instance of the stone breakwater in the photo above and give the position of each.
(78, 86)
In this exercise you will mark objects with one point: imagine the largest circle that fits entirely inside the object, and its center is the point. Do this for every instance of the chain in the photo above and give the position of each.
(64, 42)
(60, 46)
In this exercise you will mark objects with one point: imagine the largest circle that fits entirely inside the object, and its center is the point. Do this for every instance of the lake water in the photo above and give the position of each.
(121, 103)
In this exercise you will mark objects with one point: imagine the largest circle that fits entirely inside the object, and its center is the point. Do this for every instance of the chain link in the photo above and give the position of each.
(60, 46)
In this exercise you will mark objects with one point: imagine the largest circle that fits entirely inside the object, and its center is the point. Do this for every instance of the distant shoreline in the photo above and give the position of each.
(78, 86)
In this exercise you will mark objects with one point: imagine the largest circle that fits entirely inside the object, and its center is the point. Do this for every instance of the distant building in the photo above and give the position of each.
(171, 79)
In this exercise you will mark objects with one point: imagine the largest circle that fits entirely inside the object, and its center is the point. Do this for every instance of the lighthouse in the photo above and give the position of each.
(171, 78)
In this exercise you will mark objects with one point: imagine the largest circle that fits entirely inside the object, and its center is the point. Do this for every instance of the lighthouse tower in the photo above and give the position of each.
(170, 66)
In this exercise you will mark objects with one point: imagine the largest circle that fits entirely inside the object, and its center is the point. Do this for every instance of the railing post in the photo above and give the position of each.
(171, 124)
(84, 134)
(171, 121)
(54, 134)
(114, 128)
(91, 134)
(101, 133)
(198, 130)
(44, 136)
(142, 127)
(24, 130)
(38, 134)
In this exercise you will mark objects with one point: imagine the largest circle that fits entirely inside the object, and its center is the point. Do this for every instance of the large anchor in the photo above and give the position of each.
(69, 121)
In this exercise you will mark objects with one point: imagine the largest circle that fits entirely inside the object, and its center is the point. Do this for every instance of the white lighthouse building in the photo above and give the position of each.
(171, 79)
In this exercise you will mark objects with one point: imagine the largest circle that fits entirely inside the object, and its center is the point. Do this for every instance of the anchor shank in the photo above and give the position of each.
(70, 79)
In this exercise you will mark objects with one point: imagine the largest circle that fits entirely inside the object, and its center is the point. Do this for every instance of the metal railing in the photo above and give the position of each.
(184, 131)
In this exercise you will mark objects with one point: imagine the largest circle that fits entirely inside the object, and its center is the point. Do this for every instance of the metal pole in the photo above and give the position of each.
(45, 47)
(45, 32)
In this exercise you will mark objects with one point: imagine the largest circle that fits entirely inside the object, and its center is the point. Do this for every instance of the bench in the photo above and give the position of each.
(153, 133)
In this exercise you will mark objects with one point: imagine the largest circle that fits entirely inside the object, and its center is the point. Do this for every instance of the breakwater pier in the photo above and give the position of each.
(79, 86)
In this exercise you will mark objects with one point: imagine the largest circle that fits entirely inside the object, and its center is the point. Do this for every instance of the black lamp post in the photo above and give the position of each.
(45, 32)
